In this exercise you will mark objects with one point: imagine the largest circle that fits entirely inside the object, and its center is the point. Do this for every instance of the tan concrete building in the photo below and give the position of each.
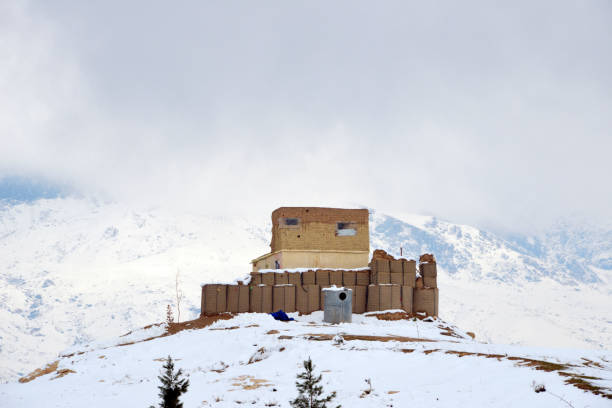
(315, 237)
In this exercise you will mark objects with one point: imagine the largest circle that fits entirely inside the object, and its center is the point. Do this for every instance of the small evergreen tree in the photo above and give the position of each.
(309, 390)
(172, 386)
(169, 315)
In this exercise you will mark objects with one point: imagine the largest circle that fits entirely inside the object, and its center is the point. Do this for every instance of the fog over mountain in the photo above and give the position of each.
(493, 116)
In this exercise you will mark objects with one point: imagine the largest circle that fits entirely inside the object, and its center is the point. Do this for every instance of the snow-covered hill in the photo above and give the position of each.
(76, 270)
(252, 360)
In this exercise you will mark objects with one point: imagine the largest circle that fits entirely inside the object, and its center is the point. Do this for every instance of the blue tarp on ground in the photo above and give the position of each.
(282, 316)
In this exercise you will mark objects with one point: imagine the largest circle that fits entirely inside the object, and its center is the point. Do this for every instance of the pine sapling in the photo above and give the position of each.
(310, 392)
(169, 315)
(173, 386)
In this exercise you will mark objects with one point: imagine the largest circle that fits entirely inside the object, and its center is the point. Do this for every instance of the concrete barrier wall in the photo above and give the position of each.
(307, 298)
(283, 298)
(407, 298)
(389, 284)
(384, 297)
(238, 298)
(261, 299)
(360, 297)
(429, 272)
(425, 301)
(214, 299)
(409, 272)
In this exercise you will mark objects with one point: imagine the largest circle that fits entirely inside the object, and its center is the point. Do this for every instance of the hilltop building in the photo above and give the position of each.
(314, 237)
(314, 249)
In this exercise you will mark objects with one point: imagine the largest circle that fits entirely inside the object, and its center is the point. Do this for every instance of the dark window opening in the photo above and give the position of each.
(289, 222)
(346, 229)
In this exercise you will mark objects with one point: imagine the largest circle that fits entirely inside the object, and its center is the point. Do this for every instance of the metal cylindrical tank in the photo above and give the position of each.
(338, 305)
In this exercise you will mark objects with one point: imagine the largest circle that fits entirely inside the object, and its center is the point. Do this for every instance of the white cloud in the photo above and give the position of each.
(475, 113)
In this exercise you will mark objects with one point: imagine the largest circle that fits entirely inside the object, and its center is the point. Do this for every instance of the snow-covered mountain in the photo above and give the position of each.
(75, 270)
(569, 253)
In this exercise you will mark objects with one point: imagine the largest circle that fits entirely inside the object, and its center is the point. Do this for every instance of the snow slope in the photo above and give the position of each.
(252, 360)
(76, 270)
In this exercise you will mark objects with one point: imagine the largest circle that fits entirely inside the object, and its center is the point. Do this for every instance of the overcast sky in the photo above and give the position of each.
(498, 116)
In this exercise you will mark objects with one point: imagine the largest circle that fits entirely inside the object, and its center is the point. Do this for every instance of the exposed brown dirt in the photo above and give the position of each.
(391, 316)
(63, 372)
(258, 355)
(272, 332)
(471, 334)
(200, 323)
(247, 382)
(459, 353)
(590, 363)
(363, 337)
(580, 381)
(585, 377)
(226, 328)
(50, 368)
(39, 372)
(78, 353)
(447, 331)
(396, 316)
(540, 365)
